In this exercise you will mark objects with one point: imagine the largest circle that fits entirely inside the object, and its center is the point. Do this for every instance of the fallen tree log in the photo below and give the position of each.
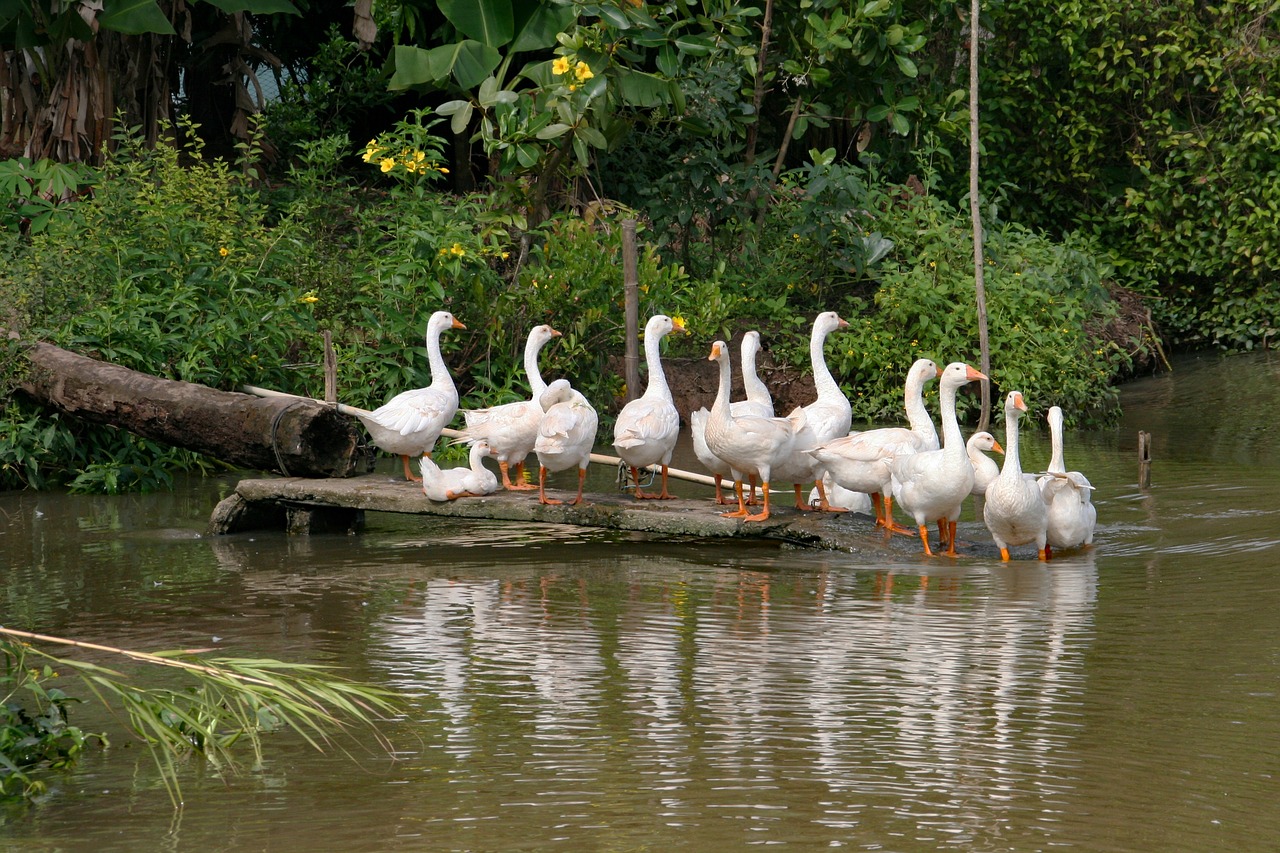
(291, 436)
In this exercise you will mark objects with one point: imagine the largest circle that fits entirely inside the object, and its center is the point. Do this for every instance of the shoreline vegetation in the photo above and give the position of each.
(778, 163)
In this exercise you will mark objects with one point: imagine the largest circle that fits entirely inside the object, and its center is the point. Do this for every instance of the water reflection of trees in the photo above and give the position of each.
(829, 697)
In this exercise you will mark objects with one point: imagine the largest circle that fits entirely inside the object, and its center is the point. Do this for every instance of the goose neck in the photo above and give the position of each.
(917, 414)
(531, 350)
(951, 437)
(1012, 461)
(435, 359)
(823, 381)
(657, 381)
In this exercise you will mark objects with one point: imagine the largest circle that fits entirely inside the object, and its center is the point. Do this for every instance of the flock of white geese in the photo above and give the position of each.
(928, 477)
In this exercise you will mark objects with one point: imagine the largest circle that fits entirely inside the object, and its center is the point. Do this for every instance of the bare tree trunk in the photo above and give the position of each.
(975, 210)
(288, 435)
(757, 98)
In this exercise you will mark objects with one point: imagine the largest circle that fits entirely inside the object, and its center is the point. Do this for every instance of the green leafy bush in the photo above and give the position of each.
(35, 732)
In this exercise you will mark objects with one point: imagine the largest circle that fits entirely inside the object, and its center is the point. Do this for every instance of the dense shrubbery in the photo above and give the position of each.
(1154, 128)
(191, 272)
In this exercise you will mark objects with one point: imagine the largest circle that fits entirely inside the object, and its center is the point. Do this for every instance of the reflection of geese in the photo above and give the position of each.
(1068, 494)
(1013, 509)
(511, 428)
(410, 422)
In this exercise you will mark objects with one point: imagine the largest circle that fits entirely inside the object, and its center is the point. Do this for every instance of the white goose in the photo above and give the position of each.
(1068, 494)
(1014, 509)
(470, 481)
(511, 428)
(839, 496)
(758, 403)
(750, 445)
(827, 417)
(931, 485)
(860, 462)
(985, 468)
(566, 434)
(647, 428)
(409, 423)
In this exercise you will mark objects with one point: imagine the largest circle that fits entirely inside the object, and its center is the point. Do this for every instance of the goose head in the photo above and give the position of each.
(984, 441)
(661, 324)
(542, 334)
(1014, 405)
(923, 370)
(828, 321)
(957, 373)
(557, 392)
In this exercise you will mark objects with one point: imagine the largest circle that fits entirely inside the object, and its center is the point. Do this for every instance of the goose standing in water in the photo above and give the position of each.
(931, 485)
(1014, 510)
(1068, 494)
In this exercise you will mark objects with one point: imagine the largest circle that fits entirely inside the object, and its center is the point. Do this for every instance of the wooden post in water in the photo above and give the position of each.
(1144, 459)
(330, 370)
(631, 302)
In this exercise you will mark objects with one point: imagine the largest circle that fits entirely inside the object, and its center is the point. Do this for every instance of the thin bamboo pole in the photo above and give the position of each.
(975, 210)
(631, 308)
(600, 458)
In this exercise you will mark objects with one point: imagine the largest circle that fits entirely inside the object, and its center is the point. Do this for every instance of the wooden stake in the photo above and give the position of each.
(631, 305)
(330, 370)
(1144, 460)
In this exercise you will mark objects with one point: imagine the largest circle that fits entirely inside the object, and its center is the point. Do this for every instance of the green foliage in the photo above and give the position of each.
(224, 702)
(340, 91)
(1152, 127)
(171, 269)
(32, 193)
(35, 732)
(1046, 301)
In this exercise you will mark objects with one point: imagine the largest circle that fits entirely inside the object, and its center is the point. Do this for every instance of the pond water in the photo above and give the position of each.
(577, 690)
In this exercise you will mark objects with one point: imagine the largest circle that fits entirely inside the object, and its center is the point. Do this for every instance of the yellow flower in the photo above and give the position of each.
(933, 265)
(583, 72)
(419, 156)
(560, 66)
(309, 297)
(506, 255)
(573, 87)
(224, 251)
(443, 170)
(456, 249)
(388, 163)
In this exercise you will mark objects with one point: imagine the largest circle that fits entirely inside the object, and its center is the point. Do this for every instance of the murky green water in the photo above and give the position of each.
(579, 691)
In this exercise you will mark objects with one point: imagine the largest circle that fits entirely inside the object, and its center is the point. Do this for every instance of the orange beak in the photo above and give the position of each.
(457, 324)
